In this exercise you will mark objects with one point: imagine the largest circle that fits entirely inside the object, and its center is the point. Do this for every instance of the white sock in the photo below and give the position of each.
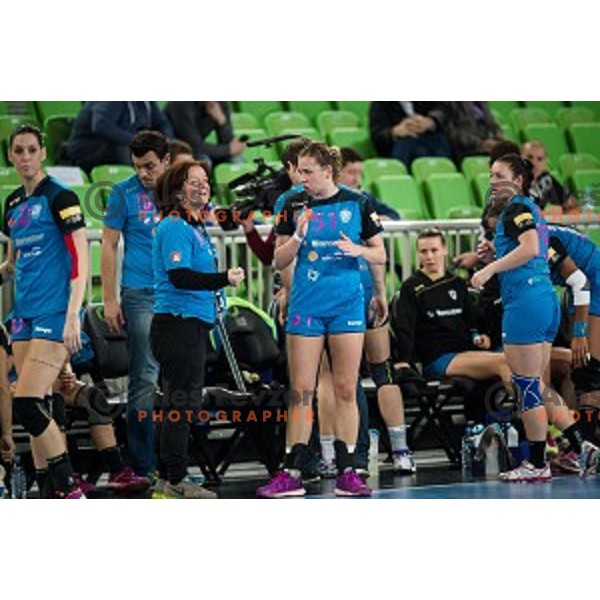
(398, 437)
(351, 448)
(327, 449)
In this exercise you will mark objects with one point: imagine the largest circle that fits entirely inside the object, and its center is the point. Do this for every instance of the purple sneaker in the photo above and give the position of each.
(74, 494)
(127, 481)
(283, 485)
(85, 486)
(350, 484)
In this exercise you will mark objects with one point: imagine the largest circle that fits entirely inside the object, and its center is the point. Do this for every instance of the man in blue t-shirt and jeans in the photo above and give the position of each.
(131, 212)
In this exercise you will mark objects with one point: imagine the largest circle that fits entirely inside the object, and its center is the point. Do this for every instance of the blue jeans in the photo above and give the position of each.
(431, 143)
(138, 310)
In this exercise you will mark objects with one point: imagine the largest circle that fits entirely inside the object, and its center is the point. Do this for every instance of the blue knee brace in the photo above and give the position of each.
(528, 390)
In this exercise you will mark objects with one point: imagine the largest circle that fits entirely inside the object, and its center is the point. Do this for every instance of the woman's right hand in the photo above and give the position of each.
(302, 224)
(235, 276)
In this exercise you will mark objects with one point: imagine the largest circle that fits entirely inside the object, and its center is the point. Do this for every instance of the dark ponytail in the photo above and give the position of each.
(519, 166)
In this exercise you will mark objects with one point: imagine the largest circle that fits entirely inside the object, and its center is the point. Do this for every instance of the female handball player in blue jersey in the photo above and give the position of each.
(323, 229)
(47, 244)
(531, 310)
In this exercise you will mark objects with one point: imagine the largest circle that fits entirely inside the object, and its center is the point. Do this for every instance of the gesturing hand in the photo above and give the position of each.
(348, 247)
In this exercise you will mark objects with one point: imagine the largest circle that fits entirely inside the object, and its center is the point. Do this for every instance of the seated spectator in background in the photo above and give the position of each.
(194, 121)
(471, 129)
(407, 130)
(180, 150)
(545, 189)
(351, 176)
(102, 131)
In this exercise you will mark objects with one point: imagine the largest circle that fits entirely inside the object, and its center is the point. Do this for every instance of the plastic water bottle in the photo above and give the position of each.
(512, 442)
(18, 480)
(492, 449)
(373, 452)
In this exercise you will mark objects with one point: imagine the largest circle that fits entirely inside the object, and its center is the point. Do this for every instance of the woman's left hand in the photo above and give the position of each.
(72, 334)
(580, 350)
(348, 247)
(482, 277)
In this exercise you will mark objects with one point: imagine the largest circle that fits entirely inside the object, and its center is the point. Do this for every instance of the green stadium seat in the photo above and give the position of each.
(374, 168)
(47, 109)
(509, 132)
(480, 185)
(8, 123)
(450, 197)
(473, 166)
(244, 121)
(565, 117)
(307, 132)
(5, 191)
(401, 193)
(359, 107)
(352, 137)
(279, 121)
(259, 108)
(586, 186)
(422, 168)
(591, 104)
(569, 163)
(9, 176)
(92, 205)
(521, 117)
(585, 137)
(310, 109)
(503, 108)
(111, 173)
(57, 129)
(226, 172)
(331, 119)
(551, 135)
(550, 106)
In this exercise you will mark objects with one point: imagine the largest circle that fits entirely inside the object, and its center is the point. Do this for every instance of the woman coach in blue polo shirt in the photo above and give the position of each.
(185, 282)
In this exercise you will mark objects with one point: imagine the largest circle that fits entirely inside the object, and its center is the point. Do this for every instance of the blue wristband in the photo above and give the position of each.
(580, 329)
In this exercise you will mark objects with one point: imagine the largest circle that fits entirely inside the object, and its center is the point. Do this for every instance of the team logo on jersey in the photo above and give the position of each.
(453, 294)
(313, 275)
(430, 314)
(36, 211)
(313, 256)
(375, 218)
(346, 216)
(176, 257)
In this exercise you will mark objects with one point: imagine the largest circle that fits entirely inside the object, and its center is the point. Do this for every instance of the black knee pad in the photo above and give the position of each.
(587, 379)
(382, 373)
(96, 405)
(32, 414)
(58, 411)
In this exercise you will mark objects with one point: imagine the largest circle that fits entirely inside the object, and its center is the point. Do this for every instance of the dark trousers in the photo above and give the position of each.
(431, 143)
(179, 346)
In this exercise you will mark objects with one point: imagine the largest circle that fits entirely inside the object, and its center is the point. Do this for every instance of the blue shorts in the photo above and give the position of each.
(531, 319)
(351, 319)
(440, 365)
(48, 327)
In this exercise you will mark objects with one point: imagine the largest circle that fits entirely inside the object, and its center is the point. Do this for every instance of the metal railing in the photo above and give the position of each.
(399, 238)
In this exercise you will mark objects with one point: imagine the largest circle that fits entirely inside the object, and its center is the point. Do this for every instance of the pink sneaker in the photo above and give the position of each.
(350, 484)
(74, 494)
(127, 481)
(82, 484)
(283, 485)
(566, 462)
